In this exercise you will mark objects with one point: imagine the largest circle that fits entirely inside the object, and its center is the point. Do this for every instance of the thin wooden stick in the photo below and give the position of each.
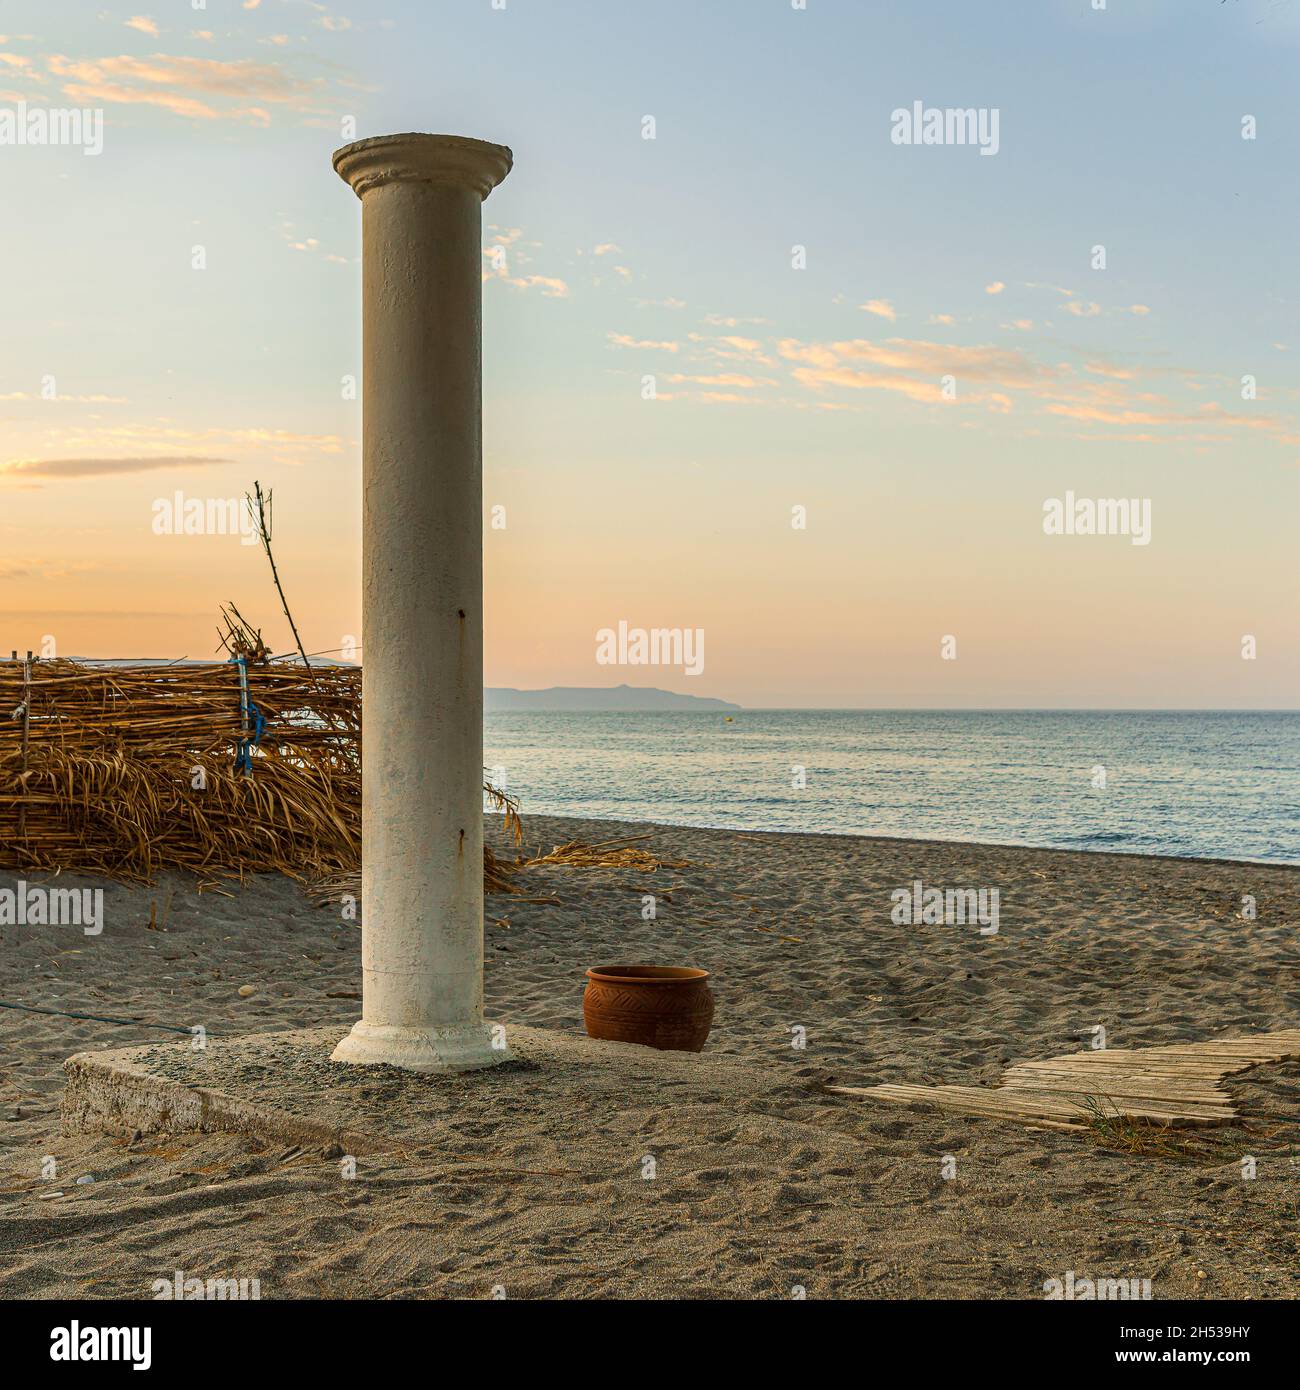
(264, 532)
(27, 734)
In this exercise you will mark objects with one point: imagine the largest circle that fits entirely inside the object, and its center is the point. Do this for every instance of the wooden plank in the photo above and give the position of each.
(1050, 1081)
(1268, 1047)
(1170, 1085)
(926, 1100)
(1144, 1106)
(1105, 1063)
(1114, 1086)
(1174, 1065)
(1020, 1102)
(1134, 1094)
(975, 1105)
(1198, 1075)
(1029, 1107)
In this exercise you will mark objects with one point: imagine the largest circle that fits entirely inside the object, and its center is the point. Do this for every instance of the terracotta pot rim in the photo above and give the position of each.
(647, 974)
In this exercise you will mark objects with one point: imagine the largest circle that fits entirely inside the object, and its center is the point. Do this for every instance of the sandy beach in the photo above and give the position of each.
(760, 1189)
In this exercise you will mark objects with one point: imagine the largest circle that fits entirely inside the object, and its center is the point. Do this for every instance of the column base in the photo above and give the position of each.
(464, 1048)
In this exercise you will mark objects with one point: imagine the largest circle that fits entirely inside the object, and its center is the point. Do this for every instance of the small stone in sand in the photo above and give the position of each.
(246, 990)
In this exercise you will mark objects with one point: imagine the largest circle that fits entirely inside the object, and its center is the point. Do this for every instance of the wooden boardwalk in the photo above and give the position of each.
(1177, 1085)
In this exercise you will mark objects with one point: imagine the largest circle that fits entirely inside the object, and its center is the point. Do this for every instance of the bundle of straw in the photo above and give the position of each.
(623, 853)
(129, 770)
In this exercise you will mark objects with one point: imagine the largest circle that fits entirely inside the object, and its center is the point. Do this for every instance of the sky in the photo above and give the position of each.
(911, 349)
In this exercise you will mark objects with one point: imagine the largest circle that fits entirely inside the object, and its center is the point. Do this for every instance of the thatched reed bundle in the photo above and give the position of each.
(499, 874)
(623, 853)
(129, 770)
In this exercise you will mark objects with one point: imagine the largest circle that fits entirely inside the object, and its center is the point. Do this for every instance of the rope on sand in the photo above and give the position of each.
(100, 1018)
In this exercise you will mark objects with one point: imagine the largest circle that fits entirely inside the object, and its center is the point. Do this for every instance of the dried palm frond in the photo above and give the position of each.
(127, 771)
(622, 853)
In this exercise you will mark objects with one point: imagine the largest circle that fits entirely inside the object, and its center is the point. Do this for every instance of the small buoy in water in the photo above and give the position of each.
(728, 719)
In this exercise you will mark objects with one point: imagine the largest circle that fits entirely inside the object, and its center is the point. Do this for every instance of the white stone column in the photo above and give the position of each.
(422, 754)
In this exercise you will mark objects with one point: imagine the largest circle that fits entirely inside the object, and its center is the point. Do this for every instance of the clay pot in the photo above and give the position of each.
(665, 1006)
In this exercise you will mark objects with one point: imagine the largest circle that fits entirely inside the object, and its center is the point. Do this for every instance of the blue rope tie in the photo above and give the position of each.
(244, 762)
(248, 711)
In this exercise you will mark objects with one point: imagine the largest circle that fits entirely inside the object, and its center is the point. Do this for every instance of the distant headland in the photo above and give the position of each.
(578, 697)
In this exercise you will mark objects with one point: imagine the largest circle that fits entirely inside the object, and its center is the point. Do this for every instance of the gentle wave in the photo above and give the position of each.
(1218, 784)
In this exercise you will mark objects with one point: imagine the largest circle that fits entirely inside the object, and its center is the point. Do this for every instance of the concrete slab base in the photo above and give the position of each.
(284, 1087)
(421, 1049)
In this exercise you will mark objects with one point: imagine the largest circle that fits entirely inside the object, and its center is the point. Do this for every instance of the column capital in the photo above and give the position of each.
(416, 158)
